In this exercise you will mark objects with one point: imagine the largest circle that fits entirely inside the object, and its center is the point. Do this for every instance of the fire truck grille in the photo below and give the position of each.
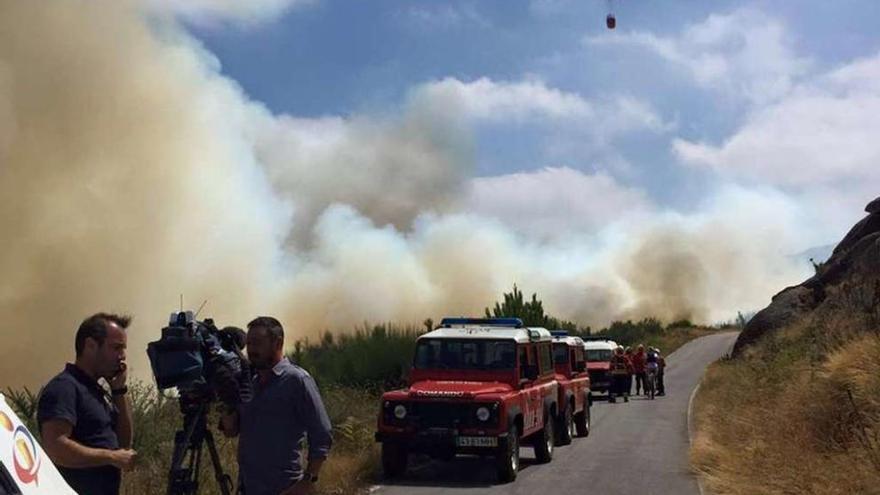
(446, 415)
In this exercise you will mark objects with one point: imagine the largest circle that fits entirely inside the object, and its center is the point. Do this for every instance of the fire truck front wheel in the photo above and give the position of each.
(582, 421)
(544, 440)
(507, 460)
(565, 427)
(394, 459)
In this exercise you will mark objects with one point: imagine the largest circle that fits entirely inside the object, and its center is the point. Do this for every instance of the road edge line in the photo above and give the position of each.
(690, 426)
(690, 415)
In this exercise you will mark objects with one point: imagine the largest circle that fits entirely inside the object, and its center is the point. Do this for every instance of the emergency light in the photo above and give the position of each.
(486, 322)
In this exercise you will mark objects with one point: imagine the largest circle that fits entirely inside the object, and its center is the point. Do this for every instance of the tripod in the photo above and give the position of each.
(183, 477)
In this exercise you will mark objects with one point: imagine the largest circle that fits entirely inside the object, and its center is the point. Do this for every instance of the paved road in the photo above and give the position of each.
(639, 448)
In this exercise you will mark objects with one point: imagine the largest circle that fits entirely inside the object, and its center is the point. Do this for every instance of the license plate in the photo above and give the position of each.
(476, 441)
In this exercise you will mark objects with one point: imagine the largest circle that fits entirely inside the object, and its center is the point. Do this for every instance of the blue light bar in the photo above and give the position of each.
(487, 322)
(559, 333)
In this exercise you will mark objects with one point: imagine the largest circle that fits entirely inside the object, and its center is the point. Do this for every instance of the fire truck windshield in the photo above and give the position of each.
(560, 353)
(594, 355)
(471, 354)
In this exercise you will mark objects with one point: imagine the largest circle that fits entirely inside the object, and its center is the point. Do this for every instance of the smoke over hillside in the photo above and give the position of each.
(131, 171)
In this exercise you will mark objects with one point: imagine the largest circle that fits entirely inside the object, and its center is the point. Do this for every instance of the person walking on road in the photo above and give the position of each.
(661, 387)
(628, 352)
(638, 362)
(620, 371)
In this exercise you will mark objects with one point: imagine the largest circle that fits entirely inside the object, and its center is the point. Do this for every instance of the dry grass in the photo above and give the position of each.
(800, 414)
(350, 468)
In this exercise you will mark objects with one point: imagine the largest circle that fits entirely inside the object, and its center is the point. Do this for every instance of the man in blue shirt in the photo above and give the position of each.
(285, 410)
(85, 432)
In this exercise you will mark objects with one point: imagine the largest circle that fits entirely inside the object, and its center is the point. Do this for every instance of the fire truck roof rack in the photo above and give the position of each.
(486, 322)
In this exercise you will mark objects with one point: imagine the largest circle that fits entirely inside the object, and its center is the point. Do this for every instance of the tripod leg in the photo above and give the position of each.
(223, 479)
(183, 480)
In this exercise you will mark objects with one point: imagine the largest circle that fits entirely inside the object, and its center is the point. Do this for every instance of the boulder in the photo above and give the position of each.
(866, 226)
(857, 257)
(785, 308)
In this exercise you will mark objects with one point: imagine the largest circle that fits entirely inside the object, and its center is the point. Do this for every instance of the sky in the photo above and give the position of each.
(673, 73)
(334, 163)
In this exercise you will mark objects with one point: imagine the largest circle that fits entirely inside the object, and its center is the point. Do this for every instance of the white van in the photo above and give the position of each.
(24, 467)
(598, 352)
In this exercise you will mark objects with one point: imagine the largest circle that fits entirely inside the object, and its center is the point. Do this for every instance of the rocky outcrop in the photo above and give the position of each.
(785, 308)
(867, 226)
(858, 253)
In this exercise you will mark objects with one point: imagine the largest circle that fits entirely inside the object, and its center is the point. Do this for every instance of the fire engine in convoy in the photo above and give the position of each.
(574, 387)
(598, 353)
(477, 386)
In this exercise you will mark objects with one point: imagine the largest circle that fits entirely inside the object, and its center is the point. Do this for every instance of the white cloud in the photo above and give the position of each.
(393, 169)
(819, 143)
(532, 101)
(485, 99)
(554, 202)
(745, 54)
(822, 134)
(236, 11)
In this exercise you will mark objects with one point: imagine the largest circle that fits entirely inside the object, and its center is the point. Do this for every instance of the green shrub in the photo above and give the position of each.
(374, 358)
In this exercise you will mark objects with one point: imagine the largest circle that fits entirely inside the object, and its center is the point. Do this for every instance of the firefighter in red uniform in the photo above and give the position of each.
(620, 372)
(638, 361)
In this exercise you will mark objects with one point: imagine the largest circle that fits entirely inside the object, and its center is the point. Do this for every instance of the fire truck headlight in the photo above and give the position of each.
(483, 414)
(400, 411)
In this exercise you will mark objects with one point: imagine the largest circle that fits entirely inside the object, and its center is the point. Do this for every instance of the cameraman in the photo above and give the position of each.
(285, 409)
(85, 433)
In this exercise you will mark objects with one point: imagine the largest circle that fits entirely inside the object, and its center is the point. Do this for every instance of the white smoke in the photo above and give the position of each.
(132, 172)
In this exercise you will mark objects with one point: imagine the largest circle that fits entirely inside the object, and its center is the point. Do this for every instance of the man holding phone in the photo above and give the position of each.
(86, 431)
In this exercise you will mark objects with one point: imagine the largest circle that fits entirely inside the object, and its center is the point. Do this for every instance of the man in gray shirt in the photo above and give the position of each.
(286, 408)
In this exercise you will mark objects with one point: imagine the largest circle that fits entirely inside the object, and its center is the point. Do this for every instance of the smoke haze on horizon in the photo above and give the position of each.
(132, 171)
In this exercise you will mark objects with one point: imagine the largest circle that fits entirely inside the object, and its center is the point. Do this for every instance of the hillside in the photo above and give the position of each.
(797, 409)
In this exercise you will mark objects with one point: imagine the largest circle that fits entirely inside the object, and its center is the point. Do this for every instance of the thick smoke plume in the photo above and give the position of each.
(132, 172)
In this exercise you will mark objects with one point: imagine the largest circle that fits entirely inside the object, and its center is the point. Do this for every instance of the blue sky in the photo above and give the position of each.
(342, 58)
(336, 56)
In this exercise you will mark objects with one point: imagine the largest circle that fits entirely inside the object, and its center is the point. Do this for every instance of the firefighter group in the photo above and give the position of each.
(643, 368)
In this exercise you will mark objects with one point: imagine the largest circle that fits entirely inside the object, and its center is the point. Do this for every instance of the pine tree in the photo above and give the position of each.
(514, 306)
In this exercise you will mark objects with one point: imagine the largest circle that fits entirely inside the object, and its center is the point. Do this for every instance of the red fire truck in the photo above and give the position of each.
(574, 387)
(477, 386)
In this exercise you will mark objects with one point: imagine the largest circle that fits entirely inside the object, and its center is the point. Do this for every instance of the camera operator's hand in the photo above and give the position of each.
(123, 459)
